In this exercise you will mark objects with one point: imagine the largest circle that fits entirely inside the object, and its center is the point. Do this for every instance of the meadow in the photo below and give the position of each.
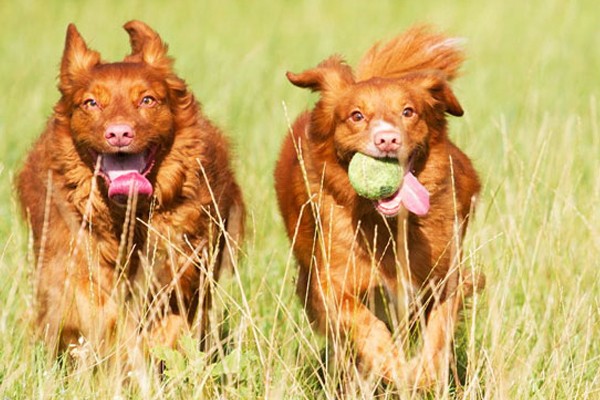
(530, 90)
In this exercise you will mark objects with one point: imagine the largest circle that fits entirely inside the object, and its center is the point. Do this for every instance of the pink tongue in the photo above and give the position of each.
(123, 172)
(122, 183)
(412, 195)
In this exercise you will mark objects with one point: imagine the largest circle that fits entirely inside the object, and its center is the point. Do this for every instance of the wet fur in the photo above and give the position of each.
(151, 263)
(347, 252)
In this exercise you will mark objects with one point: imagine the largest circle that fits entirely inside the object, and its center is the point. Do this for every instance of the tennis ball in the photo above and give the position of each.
(374, 178)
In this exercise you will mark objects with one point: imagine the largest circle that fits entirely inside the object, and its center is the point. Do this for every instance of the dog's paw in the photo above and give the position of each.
(422, 375)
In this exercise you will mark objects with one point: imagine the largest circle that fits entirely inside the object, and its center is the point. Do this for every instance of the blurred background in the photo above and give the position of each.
(530, 89)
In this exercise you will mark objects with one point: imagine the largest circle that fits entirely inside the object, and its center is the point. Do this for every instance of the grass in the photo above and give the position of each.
(530, 89)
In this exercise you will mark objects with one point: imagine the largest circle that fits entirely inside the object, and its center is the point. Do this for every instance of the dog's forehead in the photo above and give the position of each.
(124, 74)
(121, 70)
(378, 93)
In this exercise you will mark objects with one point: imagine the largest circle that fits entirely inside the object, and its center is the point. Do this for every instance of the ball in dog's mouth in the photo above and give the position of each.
(126, 174)
(374, 178)
(382, 180)
(412, 195)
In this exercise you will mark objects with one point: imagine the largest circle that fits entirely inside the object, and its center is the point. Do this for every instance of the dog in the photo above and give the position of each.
(364, 264)
(133, 205)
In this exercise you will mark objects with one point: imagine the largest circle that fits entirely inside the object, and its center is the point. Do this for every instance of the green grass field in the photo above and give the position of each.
(531, 93)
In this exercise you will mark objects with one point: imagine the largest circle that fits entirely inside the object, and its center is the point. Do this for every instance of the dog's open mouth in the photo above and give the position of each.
(126, 173)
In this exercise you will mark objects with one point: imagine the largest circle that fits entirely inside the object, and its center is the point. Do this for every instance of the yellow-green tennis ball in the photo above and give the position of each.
(374, 178)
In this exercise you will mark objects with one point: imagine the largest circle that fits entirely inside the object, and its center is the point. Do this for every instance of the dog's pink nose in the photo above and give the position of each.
(387, 140)
(119, 135)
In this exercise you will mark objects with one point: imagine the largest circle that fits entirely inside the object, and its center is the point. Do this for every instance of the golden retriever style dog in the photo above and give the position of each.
(370, 265)
(132, 201)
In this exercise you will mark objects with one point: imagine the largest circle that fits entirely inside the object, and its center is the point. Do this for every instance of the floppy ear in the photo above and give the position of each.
(146, 46)
(77, 60)
(439, 88)
(328, 78)
(330, 75)
(441, 91)
(435, 82)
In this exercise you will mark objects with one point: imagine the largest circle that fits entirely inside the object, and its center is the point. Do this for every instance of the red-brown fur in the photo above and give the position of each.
(98, 260)
(346, 250)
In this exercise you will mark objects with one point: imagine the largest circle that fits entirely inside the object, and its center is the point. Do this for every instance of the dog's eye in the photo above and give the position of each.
(148, 101)
(90, 104)
(357, 116)
(408, 112)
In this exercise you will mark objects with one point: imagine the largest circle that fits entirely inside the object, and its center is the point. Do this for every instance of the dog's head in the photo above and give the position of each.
(121, 115)
(380, 117)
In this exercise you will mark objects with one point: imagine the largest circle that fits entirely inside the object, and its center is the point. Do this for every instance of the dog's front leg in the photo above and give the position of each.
(346, 318)
(177, 286)
(375, 347)
(431, 365)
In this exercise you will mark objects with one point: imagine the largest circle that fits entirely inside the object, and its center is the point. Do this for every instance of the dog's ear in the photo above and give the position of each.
(329, 78)
(439, 88)
(77, 59)
(332, 74)
(441, 91)
(147, 46)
